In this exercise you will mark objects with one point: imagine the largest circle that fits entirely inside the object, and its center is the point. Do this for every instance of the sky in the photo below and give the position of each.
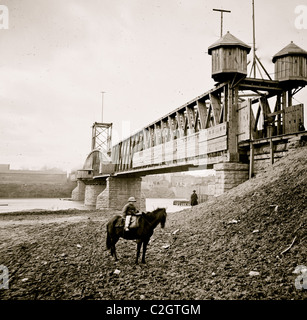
(148, 56)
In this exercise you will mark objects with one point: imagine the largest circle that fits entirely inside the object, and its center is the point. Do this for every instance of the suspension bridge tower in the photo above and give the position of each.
(88, 188)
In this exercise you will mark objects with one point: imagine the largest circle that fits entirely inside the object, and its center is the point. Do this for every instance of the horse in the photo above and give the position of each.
(147, 223)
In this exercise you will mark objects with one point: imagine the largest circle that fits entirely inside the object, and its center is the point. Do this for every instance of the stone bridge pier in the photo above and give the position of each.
(78, 193)
(88, 191)
(112, 193)
(117, 191)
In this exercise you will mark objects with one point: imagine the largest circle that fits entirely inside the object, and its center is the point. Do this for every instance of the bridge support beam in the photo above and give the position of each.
(233, 124)
(117, 192)
(79, 192)
(229, 175)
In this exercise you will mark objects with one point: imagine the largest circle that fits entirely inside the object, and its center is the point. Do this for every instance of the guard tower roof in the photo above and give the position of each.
(228, 40)
(290, 49)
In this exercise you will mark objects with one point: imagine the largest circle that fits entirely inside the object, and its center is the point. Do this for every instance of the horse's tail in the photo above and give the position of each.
(110, 231)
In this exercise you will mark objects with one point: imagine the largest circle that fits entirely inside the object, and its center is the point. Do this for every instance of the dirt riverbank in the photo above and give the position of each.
(243, 245)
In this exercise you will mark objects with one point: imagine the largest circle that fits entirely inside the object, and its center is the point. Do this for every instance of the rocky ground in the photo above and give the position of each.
(243, 245)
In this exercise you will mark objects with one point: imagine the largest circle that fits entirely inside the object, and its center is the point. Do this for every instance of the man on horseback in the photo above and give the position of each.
(143, 234)
(129, 210)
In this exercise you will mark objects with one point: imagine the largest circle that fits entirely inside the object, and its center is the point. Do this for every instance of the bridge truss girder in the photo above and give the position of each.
(213, 117)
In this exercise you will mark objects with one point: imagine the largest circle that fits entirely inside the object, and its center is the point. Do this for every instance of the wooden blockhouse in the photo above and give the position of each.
(229, 58)
(291, 65)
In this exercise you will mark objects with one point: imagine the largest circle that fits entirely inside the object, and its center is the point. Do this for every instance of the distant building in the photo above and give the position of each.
(31, 176)
(4, 167)
(181, 185)
(52, 183)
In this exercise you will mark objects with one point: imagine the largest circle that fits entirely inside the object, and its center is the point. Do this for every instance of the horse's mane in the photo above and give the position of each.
(157, 210)
(153, 215)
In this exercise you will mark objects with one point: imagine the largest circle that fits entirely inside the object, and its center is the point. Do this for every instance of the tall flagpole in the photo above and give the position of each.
(254, 40)
(221, 11)
(102, 92)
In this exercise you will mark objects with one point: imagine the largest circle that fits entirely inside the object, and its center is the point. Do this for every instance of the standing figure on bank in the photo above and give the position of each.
(301, 126)
(194, 198)
(129, 210)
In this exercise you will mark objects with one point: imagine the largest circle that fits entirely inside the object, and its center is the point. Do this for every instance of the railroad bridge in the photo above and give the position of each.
(234, 128)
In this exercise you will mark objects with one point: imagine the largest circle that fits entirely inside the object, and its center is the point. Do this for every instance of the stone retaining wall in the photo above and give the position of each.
(228, 176)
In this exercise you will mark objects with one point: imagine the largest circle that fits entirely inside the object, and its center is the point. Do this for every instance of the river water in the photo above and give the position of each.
(18, 204)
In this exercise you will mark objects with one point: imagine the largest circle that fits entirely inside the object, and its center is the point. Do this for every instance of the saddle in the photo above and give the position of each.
(134, 222)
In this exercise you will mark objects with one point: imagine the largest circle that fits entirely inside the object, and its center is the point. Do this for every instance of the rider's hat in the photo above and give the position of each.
(131, 199)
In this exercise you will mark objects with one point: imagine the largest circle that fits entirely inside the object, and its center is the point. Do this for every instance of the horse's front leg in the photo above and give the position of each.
(114, 253)
(138, 250)
(144, 250)
(113, 248)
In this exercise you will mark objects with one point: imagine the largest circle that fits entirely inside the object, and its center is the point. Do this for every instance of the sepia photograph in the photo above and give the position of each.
(153, 154)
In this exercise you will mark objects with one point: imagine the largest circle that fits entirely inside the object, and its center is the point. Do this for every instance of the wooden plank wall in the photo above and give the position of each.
(291, 68)
(229, 60)
(184, 149)
(293, 115)
(244, 121)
